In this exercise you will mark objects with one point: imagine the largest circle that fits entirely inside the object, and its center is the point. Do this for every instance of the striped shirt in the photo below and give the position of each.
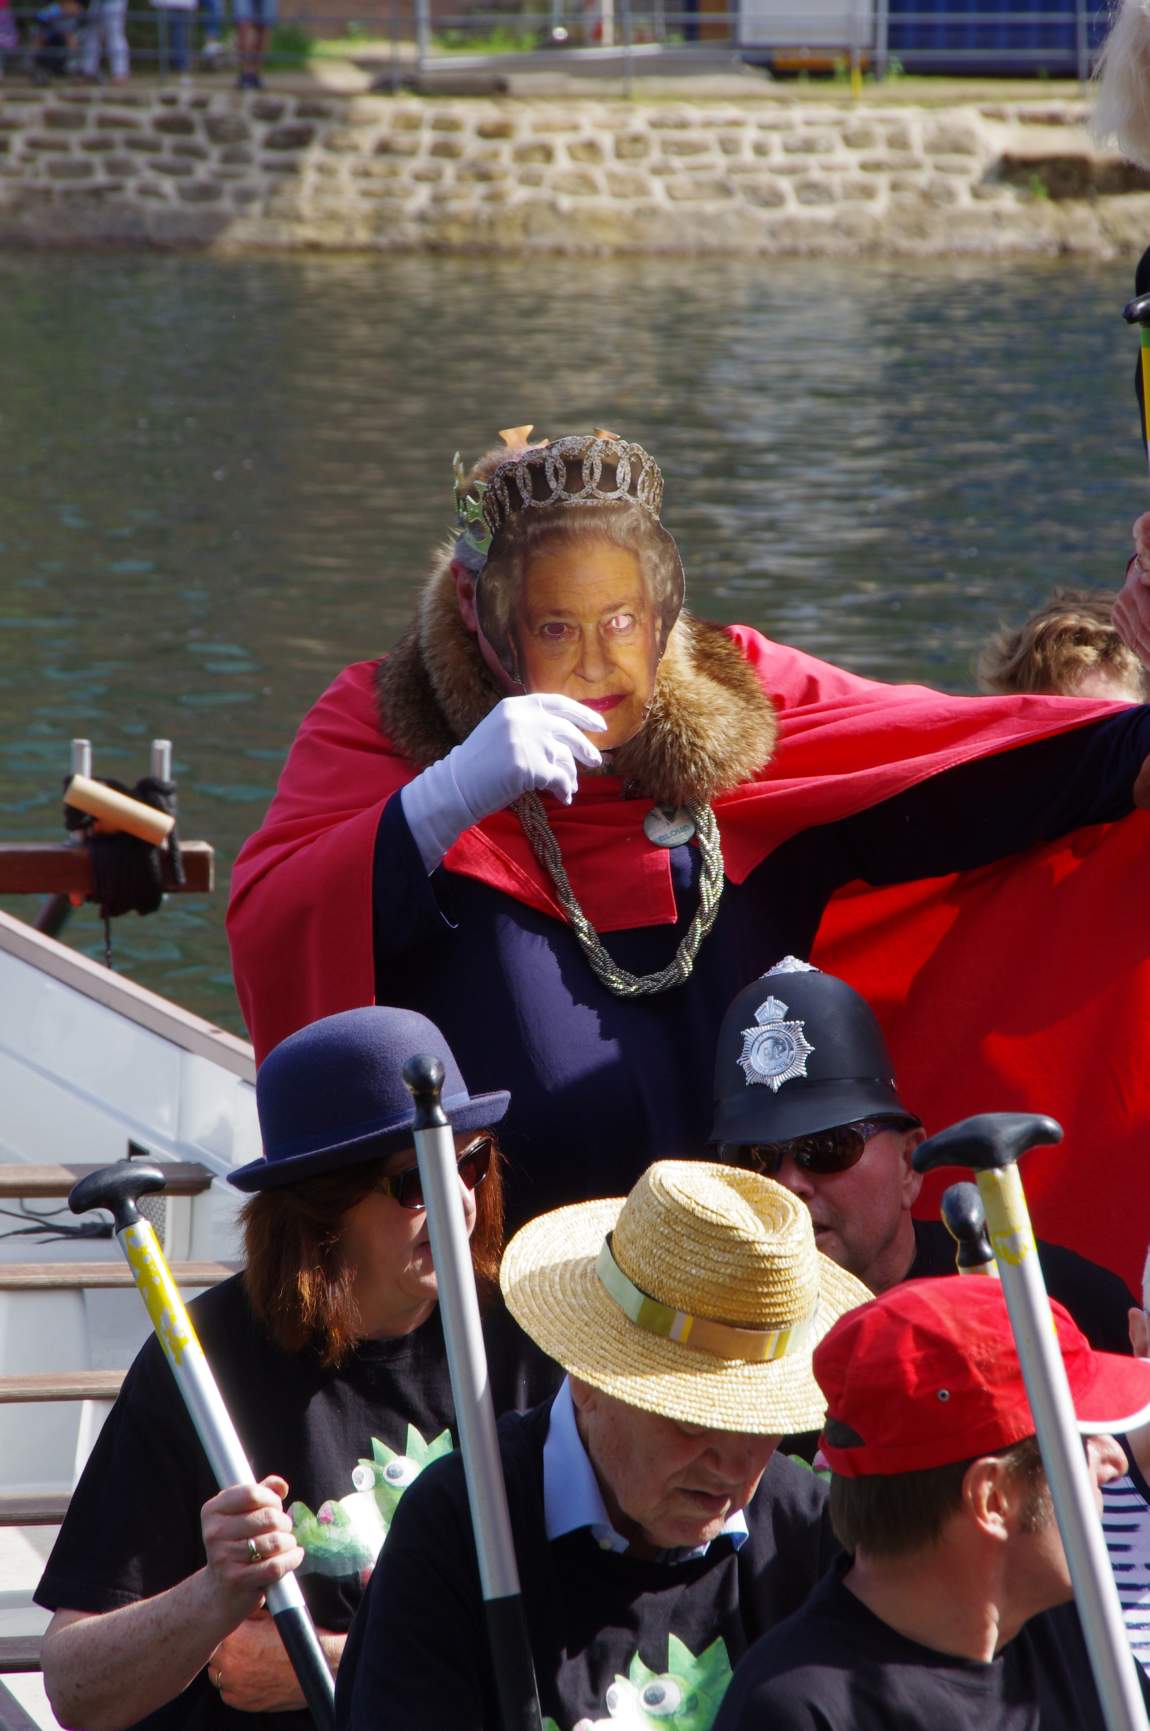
(1126, 1524)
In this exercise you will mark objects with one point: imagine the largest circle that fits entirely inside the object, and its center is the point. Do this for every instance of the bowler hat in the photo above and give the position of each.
(332, 1095)
(799, 1051)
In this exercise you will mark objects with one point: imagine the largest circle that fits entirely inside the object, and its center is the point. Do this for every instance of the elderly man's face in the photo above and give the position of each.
(584, 626)
(667, 1486)
(861, 1216)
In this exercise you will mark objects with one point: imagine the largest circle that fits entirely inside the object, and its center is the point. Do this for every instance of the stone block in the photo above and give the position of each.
(406, 119)
(151, 189)
(345, 141)
(576, 183)
(585, 150)
(554, 121)
(406, 144)
(446, 123)
(175, 169)
(815, 192)
(188, 148)
(289, 137)
(117, 123)
(244, 195)
(449, 149)
(496, 126)
(311, 109)
(622, 184)
(732, 143)
(809, 143)
(431, 172)
(279, 165)
(697, 188)
(942, 192)
(537, 150)
(670, 120)
(267, 108)
(236, 156)
(775, 123)
(42, 146)
(859, 137)
(908, 183)
(531, 177)
(764, 147)
(71, 168)
(859, 191)
(952, 138)
(632, 146)
(965, 166)
(889, 164)
(143, 146)
(174, 125)
(227, 129)
(481, 173)
(200, 192)
(766, 193)
(686, 146)
(65, 119)
(899, 138)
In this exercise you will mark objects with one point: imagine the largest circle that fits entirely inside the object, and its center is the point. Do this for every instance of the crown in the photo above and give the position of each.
(597, 468)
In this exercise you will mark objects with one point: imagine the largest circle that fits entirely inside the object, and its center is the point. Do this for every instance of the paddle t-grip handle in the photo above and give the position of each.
(423, 1079)
(988, 1142)
(1137, 311)
(964, 1217)
(117, 1188)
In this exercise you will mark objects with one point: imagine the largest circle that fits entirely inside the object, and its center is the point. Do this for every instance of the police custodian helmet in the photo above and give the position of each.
(800, 1051)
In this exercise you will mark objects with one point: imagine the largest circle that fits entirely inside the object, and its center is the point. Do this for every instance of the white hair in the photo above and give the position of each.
(1122, 82)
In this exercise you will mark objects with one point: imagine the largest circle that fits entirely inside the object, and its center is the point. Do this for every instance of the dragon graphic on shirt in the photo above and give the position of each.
(685, 1697)
(345, 1537)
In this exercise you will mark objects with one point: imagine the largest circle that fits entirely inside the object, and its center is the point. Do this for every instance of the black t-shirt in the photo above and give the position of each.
(607, 1631)
(348, 1442)
(1097, 1298)
(835, 1666)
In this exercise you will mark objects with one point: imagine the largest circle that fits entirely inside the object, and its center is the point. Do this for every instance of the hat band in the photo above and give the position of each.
(724, 1340)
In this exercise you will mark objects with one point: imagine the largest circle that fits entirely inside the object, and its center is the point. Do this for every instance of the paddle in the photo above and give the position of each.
(965, 1219)
(992, 1144)
(118, 1189)
(471, 1391)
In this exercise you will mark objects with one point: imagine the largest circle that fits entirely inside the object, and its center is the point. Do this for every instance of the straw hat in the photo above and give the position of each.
(700, 1296)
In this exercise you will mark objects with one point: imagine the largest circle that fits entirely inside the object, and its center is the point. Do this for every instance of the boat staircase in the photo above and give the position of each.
(22, 1511)
(93, 1068)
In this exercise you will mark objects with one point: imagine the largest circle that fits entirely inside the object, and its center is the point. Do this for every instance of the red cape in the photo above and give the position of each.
(994, 1036)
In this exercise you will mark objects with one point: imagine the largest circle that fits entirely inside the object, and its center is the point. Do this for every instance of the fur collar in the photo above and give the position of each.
(710, 726)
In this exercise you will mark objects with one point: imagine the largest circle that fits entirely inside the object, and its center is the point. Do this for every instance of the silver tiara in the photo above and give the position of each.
(583, 469)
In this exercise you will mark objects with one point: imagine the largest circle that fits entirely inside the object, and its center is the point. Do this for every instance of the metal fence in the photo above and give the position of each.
(400, 39)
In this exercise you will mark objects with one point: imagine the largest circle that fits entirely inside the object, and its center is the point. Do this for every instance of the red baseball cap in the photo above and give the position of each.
(927, 1374)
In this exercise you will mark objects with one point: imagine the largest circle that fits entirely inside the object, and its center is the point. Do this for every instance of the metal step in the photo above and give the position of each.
(47, 1510)
(19, 1653)
(61, 1385)
(20, 1178)
(68, 1276)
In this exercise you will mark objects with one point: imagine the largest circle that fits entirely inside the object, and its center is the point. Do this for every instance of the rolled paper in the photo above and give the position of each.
(118, 811)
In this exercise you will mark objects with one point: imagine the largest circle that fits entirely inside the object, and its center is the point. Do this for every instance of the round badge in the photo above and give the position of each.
(668, 825)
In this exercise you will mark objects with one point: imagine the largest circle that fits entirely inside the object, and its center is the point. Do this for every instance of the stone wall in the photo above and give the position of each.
(192, 168)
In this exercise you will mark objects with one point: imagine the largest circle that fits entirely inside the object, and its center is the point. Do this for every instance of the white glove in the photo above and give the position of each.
(524, 743)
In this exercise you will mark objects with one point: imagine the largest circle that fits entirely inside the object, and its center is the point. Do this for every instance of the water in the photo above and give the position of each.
(221, 479)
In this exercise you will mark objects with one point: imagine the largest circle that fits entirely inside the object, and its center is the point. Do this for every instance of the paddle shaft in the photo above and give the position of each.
(223, 1448)
(474, 1413)
(1060, 1443)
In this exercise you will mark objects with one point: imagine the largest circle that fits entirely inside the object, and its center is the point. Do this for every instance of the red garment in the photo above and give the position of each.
(301, 915)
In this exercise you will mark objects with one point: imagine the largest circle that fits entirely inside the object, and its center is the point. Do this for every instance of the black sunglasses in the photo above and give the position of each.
(833, 1150)
(473, 1165)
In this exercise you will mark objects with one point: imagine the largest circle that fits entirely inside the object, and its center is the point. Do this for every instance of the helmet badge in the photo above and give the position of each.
(776, 1050)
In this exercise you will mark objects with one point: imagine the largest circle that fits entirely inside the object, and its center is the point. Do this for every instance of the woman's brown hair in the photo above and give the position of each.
(298, 1281)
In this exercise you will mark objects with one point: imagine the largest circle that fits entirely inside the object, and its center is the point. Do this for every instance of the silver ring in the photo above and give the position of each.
(254, 1552)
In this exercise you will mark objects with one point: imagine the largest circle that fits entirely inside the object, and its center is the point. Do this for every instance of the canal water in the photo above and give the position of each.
(220, 478)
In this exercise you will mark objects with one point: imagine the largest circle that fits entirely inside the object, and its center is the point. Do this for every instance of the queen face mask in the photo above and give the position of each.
(585, 612)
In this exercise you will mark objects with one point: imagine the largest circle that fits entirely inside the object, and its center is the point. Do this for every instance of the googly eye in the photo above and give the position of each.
(662, 1697)
(363, 1477)
(400, 1473)
(944, 1394)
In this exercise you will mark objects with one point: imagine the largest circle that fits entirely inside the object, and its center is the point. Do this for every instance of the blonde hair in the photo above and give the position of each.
(1069, 637)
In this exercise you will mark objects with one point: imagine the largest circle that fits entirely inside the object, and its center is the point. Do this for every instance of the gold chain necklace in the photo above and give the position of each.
(532, 816)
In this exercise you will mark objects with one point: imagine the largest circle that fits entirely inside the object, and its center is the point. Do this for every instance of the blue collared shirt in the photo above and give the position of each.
(571, 1494)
